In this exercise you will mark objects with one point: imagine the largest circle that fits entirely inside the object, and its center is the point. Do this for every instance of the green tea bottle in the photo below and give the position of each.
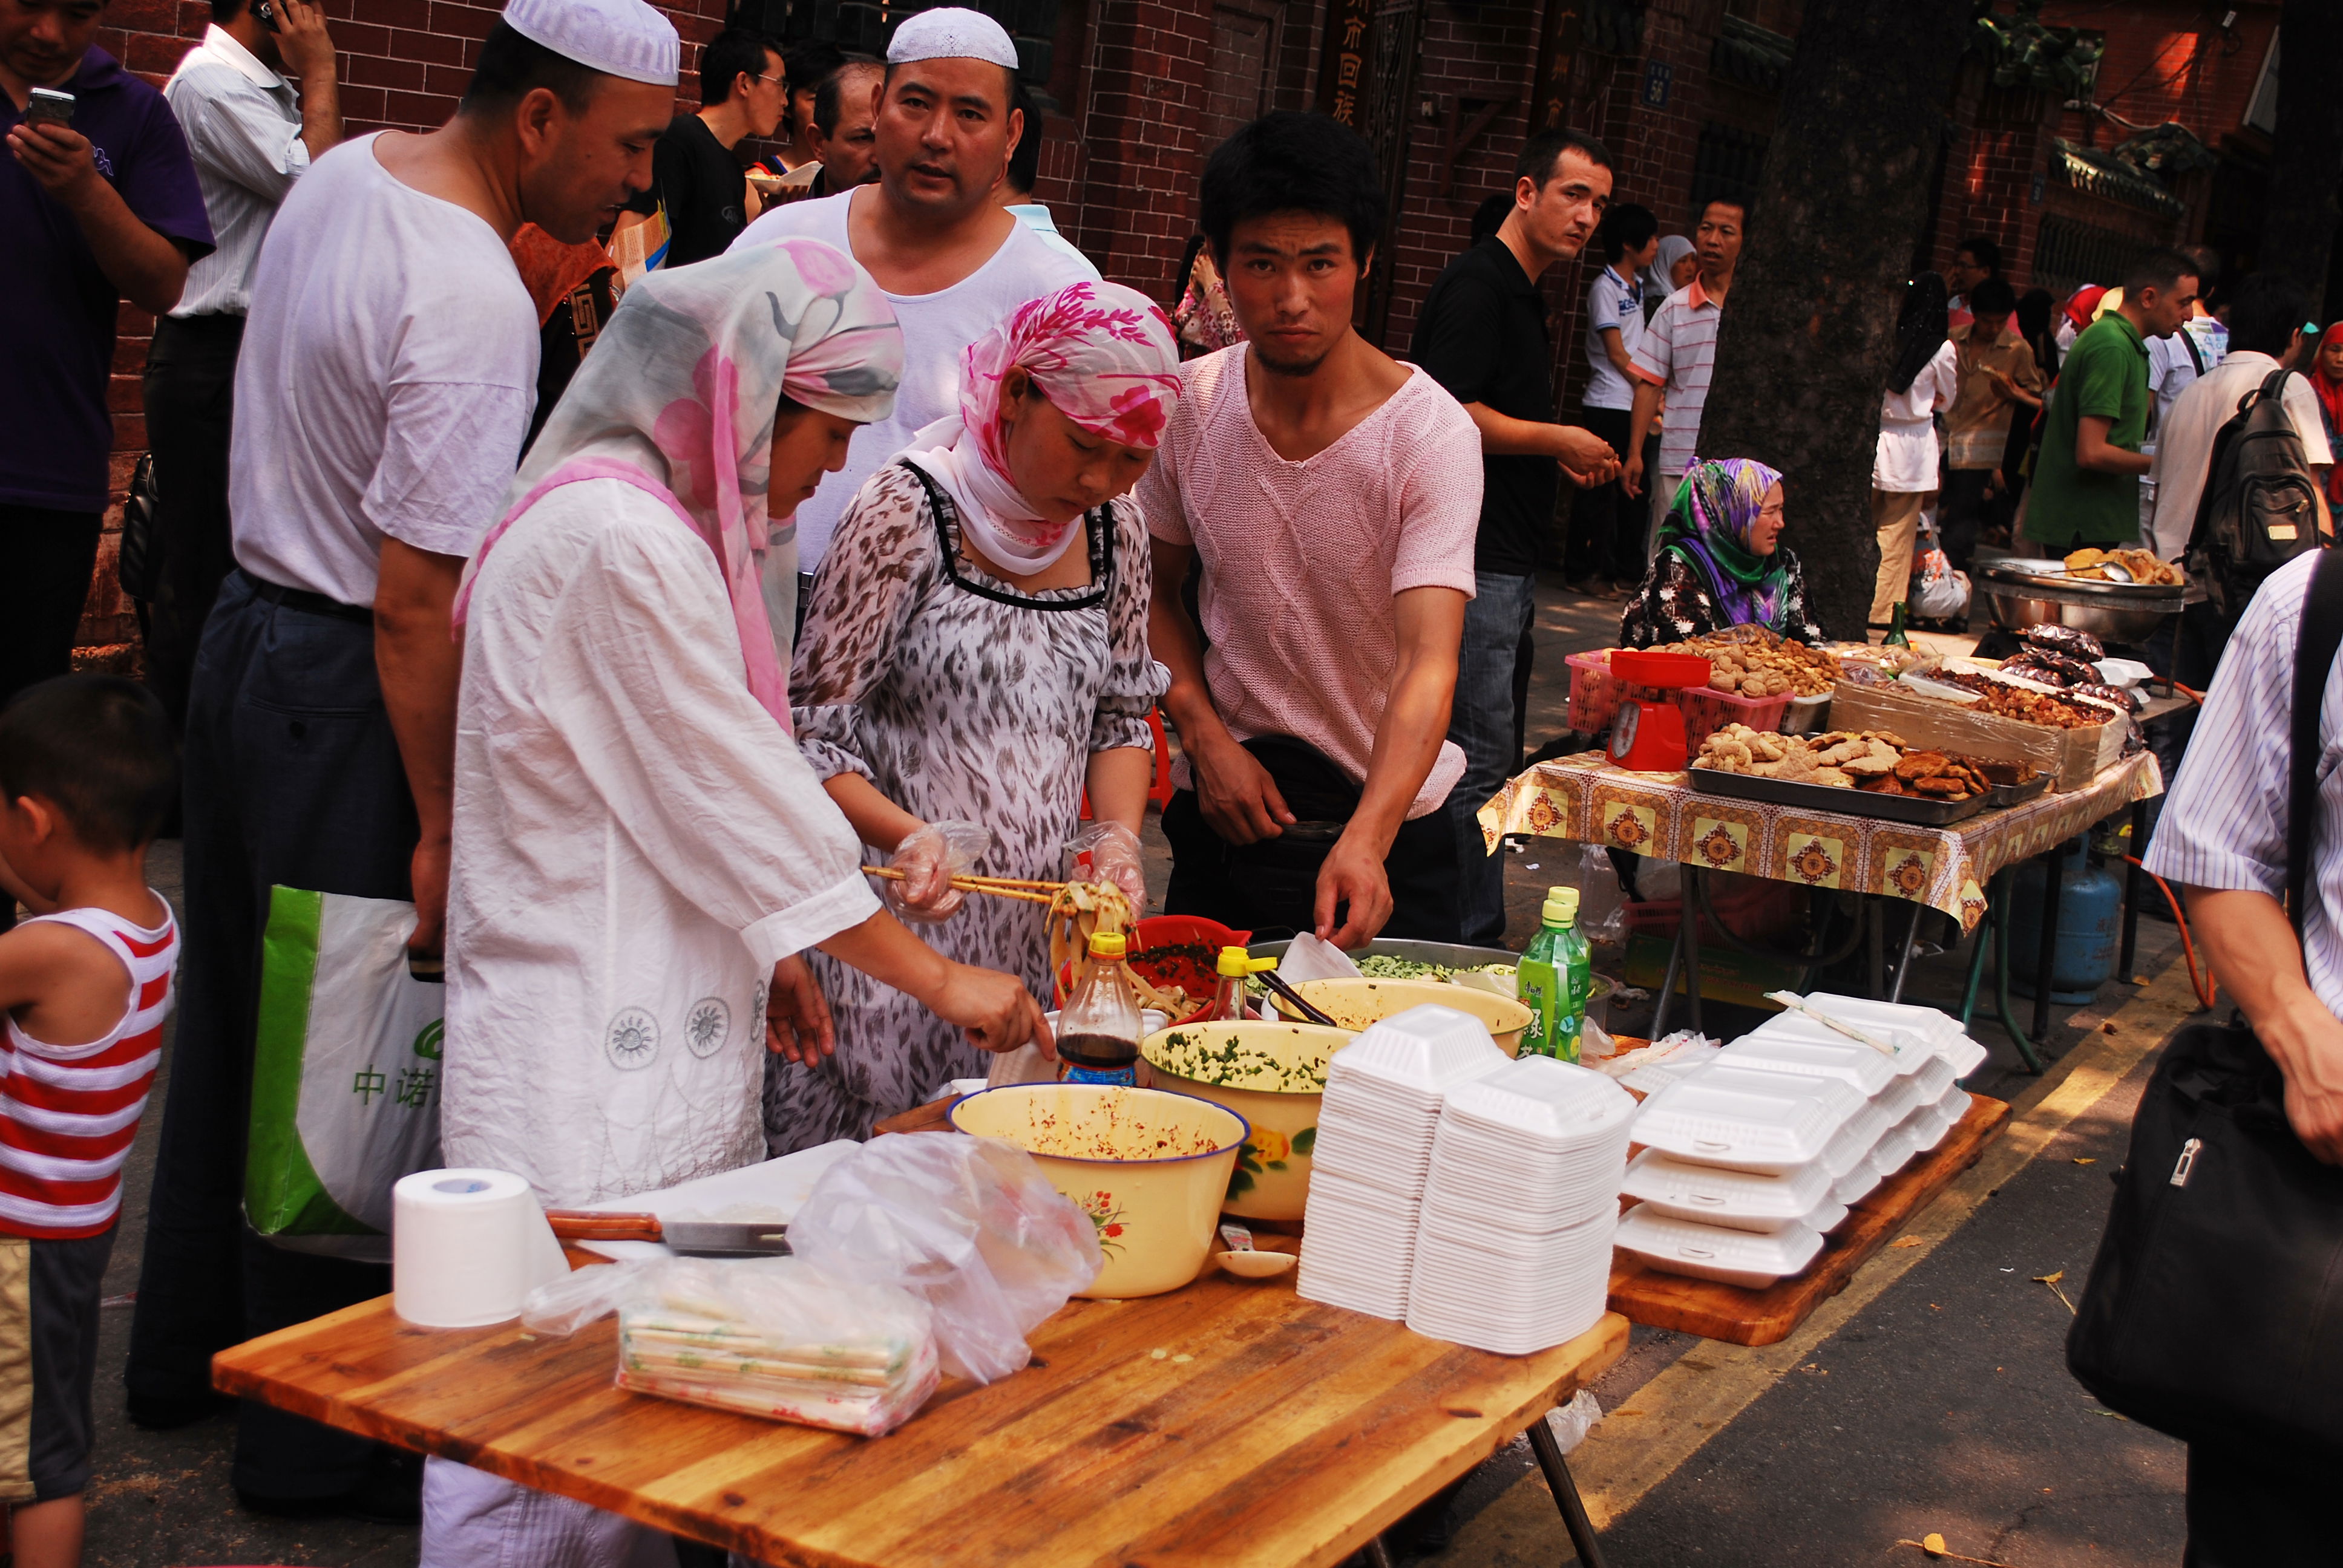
(1556, 975)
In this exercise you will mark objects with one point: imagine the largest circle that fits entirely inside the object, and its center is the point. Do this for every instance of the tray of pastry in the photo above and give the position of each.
(1867, 773)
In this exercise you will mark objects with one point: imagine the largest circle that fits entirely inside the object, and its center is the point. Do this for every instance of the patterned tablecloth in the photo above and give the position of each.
(1587, 799)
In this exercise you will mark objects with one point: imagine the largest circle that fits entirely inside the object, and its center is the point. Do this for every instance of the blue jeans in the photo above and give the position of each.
(1481, 722)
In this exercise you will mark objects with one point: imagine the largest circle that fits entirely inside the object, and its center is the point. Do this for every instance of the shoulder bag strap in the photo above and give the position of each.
(2321, 636)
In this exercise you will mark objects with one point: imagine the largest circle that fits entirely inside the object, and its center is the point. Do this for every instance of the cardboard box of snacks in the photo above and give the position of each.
(2072, 758)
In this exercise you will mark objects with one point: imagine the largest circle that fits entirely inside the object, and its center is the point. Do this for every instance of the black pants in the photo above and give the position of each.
(292, 777)
(2252, 1511)
(190, 390)
(1962, 512)
(46, 560)
(1271, 887)
(1606, 529)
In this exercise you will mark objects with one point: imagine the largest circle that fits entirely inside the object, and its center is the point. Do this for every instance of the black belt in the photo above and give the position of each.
(302, 599)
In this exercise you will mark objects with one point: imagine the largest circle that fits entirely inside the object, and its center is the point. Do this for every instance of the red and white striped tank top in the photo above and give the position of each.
(68, 1113)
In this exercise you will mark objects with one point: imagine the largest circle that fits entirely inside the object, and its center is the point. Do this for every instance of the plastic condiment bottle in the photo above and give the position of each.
(1555, 977)
(1229, 996)
(1098, 1033)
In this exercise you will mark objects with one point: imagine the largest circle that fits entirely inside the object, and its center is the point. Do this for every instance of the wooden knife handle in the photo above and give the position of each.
(593, 1225)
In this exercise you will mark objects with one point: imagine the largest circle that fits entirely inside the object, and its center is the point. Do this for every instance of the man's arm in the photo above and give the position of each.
(419, 662)
(308, 50)
(1234, 791)
(1586, 457)
(1615, 349)
(1431, 624)
(2255, 956)
(147, 269)
(1639, 427)
(2095, 452)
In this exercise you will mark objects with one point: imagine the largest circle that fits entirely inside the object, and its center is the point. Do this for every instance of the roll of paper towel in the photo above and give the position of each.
(465, 1245)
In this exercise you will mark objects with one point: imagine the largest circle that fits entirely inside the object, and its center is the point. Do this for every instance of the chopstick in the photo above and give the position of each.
(1797, 1004)
(1001, 889)
(1310, 1014)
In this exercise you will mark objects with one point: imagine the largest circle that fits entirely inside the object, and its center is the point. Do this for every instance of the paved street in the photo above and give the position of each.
(1930, 1396)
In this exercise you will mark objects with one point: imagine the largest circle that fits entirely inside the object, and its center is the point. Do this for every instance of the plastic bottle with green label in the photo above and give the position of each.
(1556, 979)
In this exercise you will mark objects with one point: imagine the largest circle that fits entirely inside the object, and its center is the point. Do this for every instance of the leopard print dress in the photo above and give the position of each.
(957, 698)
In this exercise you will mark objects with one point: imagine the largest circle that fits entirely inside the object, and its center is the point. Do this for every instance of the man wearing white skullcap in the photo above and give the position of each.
(385, 385)
(953, 265)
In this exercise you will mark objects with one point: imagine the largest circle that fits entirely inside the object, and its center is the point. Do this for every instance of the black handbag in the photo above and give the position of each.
(2215, 1307)
(136, 566)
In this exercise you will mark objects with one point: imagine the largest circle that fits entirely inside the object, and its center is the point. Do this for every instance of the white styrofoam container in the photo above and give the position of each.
(1714, 1195)
(1428, 1047)
(1753, 1258)
(1557, 1105)
(1769, 1121)
(1933, 1025)
(1860, 1068)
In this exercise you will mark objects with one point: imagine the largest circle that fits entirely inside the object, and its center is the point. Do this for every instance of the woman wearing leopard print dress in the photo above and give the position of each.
(976, 651)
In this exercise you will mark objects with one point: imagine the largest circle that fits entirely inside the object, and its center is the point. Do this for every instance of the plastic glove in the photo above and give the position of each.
(1110, 853)
(930, 858)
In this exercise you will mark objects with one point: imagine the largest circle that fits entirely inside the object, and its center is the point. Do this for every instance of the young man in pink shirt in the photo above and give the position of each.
(1330, 497)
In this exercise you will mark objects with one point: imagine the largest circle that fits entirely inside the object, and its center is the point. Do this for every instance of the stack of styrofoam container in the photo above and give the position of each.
(1513, 1253)
(1374, 1150)
(1751, 1218)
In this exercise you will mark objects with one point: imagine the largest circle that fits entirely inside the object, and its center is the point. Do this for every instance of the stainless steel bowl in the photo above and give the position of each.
(2112, 612)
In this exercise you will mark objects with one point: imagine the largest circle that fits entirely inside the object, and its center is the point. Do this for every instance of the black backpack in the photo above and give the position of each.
(2260, 505)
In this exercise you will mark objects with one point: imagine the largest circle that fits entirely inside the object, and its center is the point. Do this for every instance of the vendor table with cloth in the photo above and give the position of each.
(1229, 1423)
(1590, 799)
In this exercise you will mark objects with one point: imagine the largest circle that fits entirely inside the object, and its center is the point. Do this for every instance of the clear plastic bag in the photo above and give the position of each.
(971, 1225)
(1105, 851)
(936, 852)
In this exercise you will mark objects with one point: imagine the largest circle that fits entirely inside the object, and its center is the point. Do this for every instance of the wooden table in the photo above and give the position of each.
(1742, 1316)
(1230, 1422)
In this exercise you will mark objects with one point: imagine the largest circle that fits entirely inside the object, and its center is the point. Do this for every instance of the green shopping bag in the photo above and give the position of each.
(345, 1073)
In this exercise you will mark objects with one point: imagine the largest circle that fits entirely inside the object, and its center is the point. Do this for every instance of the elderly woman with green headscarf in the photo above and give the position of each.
(1721, 562)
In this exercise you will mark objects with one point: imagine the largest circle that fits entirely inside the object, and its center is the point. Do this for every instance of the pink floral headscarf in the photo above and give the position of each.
(1105, 357)
(679, 396)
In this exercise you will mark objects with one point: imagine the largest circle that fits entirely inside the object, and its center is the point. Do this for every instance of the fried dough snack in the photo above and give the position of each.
(2142, 565)
(1876, 761)
(1749, 668)
(2005, 700)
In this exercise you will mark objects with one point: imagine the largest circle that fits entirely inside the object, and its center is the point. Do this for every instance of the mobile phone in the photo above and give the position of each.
(47, 105)
(266, 14)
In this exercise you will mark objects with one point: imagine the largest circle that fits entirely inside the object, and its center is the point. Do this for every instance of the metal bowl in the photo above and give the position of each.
(2112, 612)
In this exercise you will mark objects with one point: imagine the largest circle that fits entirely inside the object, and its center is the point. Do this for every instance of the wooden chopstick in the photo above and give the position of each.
(973, 885)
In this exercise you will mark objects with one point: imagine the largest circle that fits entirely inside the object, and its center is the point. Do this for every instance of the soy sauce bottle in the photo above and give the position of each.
(1098, 1033)
(1228, 997)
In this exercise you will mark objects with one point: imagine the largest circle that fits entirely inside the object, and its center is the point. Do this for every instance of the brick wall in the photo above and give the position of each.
(2167, 60)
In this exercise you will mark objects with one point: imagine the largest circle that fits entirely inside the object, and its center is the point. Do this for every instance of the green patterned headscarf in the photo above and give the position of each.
(1709, 525)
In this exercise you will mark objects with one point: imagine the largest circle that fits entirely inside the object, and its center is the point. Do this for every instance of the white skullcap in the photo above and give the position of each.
(952, 33)
(619, 38)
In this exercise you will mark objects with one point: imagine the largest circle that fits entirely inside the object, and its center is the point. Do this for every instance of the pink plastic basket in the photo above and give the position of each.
(1595, 691)
(1707, 711)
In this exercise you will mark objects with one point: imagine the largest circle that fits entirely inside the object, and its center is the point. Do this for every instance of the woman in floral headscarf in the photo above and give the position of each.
(975, 653)
(1721, 562)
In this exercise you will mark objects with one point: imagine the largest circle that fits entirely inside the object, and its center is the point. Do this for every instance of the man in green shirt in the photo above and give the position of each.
(2086, 481)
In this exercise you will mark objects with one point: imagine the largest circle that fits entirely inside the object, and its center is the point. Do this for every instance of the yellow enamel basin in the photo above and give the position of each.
(1355, 1004)
(1147, 1167)
(1272, 1074)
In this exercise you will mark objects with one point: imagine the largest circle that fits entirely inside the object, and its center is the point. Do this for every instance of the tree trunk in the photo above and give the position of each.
(2299, 223)
(1804, 348)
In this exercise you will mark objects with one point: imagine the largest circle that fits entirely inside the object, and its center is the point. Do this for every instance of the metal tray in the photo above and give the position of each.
(2002, 795)
(2011, 572)
(1917, 809)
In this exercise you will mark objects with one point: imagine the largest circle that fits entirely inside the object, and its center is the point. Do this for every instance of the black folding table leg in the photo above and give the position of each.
(1377, 1554)
(1565, 1494)
(1691, 929)
(2053, 868)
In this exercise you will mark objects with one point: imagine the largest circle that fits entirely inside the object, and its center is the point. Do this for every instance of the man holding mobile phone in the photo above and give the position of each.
(98, 203)
(252, 135)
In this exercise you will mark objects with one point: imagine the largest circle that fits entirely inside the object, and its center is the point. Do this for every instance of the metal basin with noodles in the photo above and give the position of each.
(2018, 598)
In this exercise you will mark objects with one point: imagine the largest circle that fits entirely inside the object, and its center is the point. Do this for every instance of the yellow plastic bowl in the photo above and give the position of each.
(1358, 1003)
(1147, 1167)
(1272, 1074)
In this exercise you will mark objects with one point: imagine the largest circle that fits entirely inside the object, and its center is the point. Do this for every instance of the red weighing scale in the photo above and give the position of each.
(1648, 735)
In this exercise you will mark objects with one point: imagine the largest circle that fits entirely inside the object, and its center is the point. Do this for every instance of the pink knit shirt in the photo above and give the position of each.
(1300, 559)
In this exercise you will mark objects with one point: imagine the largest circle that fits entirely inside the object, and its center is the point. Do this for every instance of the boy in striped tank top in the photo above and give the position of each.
(87, 775)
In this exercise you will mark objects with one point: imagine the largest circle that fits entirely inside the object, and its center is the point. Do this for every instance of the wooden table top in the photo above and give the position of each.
(1230, 1422)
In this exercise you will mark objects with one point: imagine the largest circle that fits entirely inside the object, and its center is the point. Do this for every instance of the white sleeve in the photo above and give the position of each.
(2224, 824)
(2310, 421)
(642, 675)
(461, 391)
(241, 136)
(1654, 353)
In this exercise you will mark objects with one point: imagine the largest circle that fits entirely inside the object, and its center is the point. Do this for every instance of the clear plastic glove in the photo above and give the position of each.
(1109, 852)
(930, 858)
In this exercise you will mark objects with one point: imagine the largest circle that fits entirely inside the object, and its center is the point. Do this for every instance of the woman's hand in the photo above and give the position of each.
(797, 1018)
(994, 1010)
(1115, 856)
(929, 857)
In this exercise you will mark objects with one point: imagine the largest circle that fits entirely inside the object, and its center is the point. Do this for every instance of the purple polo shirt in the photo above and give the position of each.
(56, 329)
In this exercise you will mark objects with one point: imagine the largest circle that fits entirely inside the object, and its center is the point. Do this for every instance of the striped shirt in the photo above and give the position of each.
(68, 1113)
(2223, 825)
(1676, 353)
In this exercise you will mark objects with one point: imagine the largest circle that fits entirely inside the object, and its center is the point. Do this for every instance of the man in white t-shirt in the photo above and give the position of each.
(387, 371)
(1330, 497)
(1675, 359)
(952, 261)
(1606, 546)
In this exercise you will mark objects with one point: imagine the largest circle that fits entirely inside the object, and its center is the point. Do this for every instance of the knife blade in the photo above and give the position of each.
(691, 1238)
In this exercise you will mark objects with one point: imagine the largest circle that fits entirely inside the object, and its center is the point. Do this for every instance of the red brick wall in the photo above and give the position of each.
(1146, 86)
(2167, 60)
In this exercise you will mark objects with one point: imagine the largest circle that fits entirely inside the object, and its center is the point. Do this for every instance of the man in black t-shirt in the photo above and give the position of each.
(699, 191)
(1483, 336)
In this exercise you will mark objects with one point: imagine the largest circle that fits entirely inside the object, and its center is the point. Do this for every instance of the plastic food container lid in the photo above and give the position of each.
(1857, 1066)
(1558, 1104)
(1751, 1258)
(1771, 1121)
(1429, 1047)
(1742, 1200)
